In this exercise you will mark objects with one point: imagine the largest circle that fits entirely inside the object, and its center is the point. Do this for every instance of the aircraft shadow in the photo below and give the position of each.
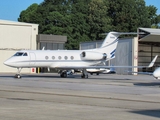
(47, 76)
(153, 113)
(35, 76)
(77, 76)
(148, 84)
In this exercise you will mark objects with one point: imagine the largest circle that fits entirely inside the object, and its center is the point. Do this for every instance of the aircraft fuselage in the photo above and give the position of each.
(49, 58)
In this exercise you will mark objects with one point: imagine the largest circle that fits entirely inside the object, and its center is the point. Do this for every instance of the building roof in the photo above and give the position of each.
(16, 23)
(150, 35)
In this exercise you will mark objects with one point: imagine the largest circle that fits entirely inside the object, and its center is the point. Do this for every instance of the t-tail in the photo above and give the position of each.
(109, 45)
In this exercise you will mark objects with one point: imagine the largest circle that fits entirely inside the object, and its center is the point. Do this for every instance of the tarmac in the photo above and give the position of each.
(100, 97)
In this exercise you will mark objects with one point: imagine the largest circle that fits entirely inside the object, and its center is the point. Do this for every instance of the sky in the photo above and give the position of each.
(11, 9)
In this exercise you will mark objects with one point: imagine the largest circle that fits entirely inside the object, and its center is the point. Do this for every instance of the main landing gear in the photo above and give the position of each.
(84, 74)
(63, 74)
(18, 73)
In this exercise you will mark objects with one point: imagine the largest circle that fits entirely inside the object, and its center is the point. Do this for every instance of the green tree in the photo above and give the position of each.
(85, 20)
(142, 16)
(98, 19)
(79, 25)
(128, 15)
(154, 18)
(26, 15)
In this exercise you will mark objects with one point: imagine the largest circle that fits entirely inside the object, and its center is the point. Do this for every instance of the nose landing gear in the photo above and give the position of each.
(18, 75)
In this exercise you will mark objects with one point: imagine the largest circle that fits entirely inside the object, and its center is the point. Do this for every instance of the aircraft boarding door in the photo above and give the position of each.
(32, 59)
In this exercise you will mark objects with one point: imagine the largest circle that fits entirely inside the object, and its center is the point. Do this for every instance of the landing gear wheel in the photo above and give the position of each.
(97, 73)
(63, 74)
(17, 76)
(84, 76)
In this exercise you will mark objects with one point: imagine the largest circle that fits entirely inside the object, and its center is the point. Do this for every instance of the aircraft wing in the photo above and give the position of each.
(144, 73)
(98, 67)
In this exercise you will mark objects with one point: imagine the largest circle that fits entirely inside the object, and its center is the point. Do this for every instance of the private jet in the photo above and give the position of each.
(66, 60)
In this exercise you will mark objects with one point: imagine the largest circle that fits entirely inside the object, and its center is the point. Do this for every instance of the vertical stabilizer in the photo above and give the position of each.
(110, 39)
(109, 44)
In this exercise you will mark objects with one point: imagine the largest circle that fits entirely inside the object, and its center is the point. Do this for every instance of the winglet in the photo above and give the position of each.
(153, 61)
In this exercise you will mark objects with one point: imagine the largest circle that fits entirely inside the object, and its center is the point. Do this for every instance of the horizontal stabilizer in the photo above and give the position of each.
(144, 73)
(122, 33)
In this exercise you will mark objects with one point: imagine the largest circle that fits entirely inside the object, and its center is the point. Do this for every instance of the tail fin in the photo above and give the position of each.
(110, 39)
(109, 44)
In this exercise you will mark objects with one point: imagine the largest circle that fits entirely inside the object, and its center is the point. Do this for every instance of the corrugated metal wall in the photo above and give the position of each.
(123, 56)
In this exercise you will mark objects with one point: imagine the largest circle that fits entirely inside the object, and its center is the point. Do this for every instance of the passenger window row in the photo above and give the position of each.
(59, 57)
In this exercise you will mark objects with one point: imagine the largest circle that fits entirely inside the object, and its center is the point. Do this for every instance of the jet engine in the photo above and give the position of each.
(90, 55)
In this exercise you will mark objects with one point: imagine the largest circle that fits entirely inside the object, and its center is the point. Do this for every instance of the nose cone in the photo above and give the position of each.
(156, 73)
(8, 63)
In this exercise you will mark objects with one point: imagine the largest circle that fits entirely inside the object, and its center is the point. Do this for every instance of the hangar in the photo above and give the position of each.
(15, 36)
(138, 50)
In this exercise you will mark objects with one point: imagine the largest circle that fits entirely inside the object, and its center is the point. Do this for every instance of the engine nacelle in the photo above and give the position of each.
(90, 55)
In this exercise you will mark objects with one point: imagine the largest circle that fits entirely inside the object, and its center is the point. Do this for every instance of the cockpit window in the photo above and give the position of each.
(25, 54)
(18, 54)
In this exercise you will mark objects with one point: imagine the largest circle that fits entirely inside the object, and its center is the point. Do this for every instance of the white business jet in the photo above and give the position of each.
(66, 60)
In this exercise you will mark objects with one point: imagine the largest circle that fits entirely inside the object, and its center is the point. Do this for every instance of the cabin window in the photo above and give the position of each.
(46, 57)
(59, 57)
(72, 57)
(65, 57)
(18, 54)
(53, 57)
(25, 54)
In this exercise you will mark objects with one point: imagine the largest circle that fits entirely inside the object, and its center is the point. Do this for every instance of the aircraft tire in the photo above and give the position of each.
(17, 76)
(63, 75)
(84, 76)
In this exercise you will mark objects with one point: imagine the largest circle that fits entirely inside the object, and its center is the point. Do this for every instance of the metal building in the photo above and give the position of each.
(50, 42)
(149, 46)
(15, 36)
